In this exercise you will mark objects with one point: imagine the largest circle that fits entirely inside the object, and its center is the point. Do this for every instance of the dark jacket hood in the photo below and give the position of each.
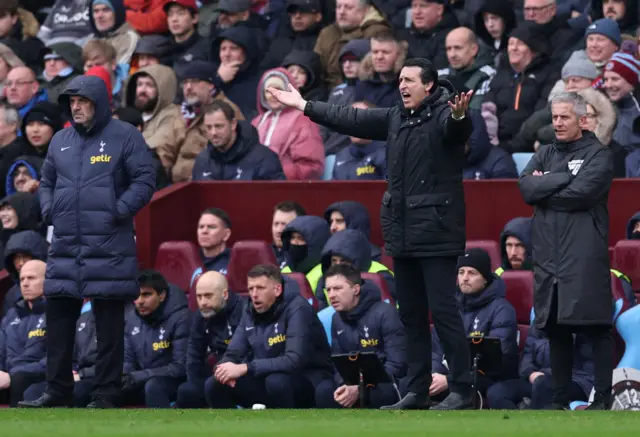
(33, 164)
(94, 89)
(28, 210)
(175, 301)
(247, 138)
(519, 227)
(356, 215)
(496, 290)
(359, 48)
(120, 15)
(242, 36)
(501, 8)
(369, 296)
(153, 45)
(51, 113)
(630, 19)
(315, 231)
(632, 224)
(311, 63)
(27, 242)
(349, 244)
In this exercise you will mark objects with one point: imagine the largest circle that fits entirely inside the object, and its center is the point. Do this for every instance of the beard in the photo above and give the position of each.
(144, 104)
(207, 314)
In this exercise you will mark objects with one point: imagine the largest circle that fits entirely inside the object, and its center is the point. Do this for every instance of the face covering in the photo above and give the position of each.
(298, 254)
(635, 235)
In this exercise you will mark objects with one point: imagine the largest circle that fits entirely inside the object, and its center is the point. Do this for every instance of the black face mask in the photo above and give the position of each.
(298, 254)
(635, 235)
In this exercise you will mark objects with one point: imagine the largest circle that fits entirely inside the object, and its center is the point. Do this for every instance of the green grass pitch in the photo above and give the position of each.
(314, 423)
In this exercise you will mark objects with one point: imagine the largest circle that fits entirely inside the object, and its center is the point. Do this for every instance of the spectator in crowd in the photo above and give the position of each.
(19, 29)
(62, 62)
(68, 21)
(151, 91)
(214, 230)
(355, 19)
(21, 248)
(603, 39)
(199, 91)
(302, 243)
(380, 69)
(485, 313)
(8, 60)
(431, 21)
(620, 82)
(146, 16)
(23, 175)
(515, 245)
(470, 66)
(23, 90)
(9, 123)
(350, 214)
(363, 159)
(278, 354)
(517, 99)
(24, 331)
(299, 33)
(362, 323)
(625, 13)
(283, 214)
(305, 68)
(19, 212)
(187, 44)
(234, 151)
(108, 21)
(212, 327)
(239, 13)
(156, 337)
(633, 227)
(238, 74)
(151, 50)
(350, 59)
(288, 132)
(99, 53)
(350, 247)
(494, 21)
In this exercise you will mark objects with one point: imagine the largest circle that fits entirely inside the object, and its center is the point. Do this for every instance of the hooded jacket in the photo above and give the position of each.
(121, 36)
(156, 345)
(166, 129)
(372, 325)
(629, 22)
(624, 134)
(32, 164)
(631, 224)
(290, 134)
(246, 160)
(147, 16)
(28, 212)
(519, 227)
(25, 331)
(68, 21)
(94, 181)
(356, 216)
(314, 88)
(72, 55)
(212, 336)
(503, 9)
(86, 344)
(374, 88)
(315, 232)
(361, 162)
(194, 48)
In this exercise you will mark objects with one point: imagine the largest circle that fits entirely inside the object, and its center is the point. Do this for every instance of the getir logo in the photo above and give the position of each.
(159, 345)
(369, 342)
(367, 169)
(100, 158)
(280, 338)
(37, 333)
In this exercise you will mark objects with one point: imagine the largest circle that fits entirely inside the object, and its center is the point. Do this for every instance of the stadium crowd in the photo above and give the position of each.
(191, 76)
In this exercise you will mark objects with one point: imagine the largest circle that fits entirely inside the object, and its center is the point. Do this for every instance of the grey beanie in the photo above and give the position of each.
(580, 65)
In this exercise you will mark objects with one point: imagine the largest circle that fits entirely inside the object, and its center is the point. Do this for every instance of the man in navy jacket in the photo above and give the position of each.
(279, 353)
(219, 313)
(350, 214)
(156, 338)
(362, 323)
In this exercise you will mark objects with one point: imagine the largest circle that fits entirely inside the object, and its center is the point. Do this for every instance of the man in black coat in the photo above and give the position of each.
(422, 213)
(568, 182)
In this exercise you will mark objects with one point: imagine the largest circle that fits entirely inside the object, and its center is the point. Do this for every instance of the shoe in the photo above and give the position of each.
(412, 401)
(455, 401)
(47, 401)
(101, 403)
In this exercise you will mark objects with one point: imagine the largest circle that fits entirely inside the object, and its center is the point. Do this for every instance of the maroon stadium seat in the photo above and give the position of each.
(627, 260)
(520, 293)
(178, 262)
(612, 252)
(386, 260)
(491, 247)
(305, 288)
(245, 255)
(377, 279)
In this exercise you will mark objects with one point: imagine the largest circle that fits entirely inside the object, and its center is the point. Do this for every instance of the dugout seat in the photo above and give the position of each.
(245, 255)
(491, 247)
(627, 260)
(180, 263)
(519, 285)
(377, 279)
(305, 288)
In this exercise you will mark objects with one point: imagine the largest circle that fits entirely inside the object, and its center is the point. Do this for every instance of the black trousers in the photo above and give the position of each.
(424, 284)
(20, 382)
(62, 315)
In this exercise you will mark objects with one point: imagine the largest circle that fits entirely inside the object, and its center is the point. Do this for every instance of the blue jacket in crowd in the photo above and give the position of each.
(246, 160)
(86, 345)
(519, 227)
(288, 338)
(356, 216)
(315, 231)
(374, 90)
(33, 165)
(372, 325)
(24, 331)
(218, 263)
(156, 345)
(487, 314)
(361, 162)
(212, 336)
(632, 164)
(94, 181)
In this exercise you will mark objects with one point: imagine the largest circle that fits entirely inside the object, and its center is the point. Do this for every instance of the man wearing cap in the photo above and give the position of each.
(108, 20)
(187, 44)
(621, 82)
(62, 62)
(198, 90)
(152, 50)
(603, 39)
(233, 13)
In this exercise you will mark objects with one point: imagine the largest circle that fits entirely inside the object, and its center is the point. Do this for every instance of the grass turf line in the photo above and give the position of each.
(314, 423)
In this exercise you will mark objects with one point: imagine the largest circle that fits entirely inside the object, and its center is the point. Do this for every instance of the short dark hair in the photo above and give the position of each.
(220, 213)
(153, 279)
(220, 105)
(385, 35)
(9, 7)
(290, 206)
(428, 73)
(271, 271)
(349, 272)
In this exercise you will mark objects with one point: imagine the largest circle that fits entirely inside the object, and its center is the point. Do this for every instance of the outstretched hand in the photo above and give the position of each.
(291, 98)
(460, 104)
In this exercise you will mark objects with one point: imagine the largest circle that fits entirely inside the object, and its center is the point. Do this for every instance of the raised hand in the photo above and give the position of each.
(460, 104)
(291, 98)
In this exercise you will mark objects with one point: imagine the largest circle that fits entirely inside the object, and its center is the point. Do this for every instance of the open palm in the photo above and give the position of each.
(291, 97)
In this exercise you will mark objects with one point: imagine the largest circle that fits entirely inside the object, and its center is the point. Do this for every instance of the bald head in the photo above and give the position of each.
(462, 47)
(32, 279)
(212, 292)
(20, 86)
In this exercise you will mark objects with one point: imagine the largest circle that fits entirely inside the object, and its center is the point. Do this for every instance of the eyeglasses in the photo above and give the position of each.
(536, 9)
(591, 115)
(9, 84)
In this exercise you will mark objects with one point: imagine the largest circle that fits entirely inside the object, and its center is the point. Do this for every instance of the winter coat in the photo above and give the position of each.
(315, 232)
(519, 227)
(218, 263)
(23, 40)
(121, 36)
(147, 16)
(485, 161)
(32, 164)
(25, 331)
(94, 181)
(288, 41)
(68, 21)
(165, 130)
(372, 326)
(632, 164)
(291, 135)
(72, 54)
(356, 216)
(212, 336)
(361, 162)
(570, 230)
(309, 60)
(563, 38)
(629, 22)
(373, 88)
(503, 9)
(194, 48)
(423, 210)
(28, 212)
(288, 338)
(156, 345)
(628, 115)
(85, 351)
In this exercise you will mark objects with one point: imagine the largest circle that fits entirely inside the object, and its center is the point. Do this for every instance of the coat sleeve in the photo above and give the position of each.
(196, 353)
(48, 178)
(588, 187)
(168, 138)
(372, 124)
(505, 327)
(270, 168)
(306, 153)
(395, 346)
(141, 175)
(336, 348)
(238, 350)
(527, 364)
(39, 366)
(199, 167)
(130, 361)
(298, 346)
(536, 189)
(437, 355)
(152, 21)
(455, 131)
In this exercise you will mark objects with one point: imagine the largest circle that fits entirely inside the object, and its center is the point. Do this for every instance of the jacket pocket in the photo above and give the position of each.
(424, 213)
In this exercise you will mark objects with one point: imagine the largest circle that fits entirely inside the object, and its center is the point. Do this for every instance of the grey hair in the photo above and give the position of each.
(10, 114)
(578, 102)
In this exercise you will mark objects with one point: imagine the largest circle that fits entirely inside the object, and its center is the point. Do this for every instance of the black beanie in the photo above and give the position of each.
(479, 260)
(534, 39)
(45, 112)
